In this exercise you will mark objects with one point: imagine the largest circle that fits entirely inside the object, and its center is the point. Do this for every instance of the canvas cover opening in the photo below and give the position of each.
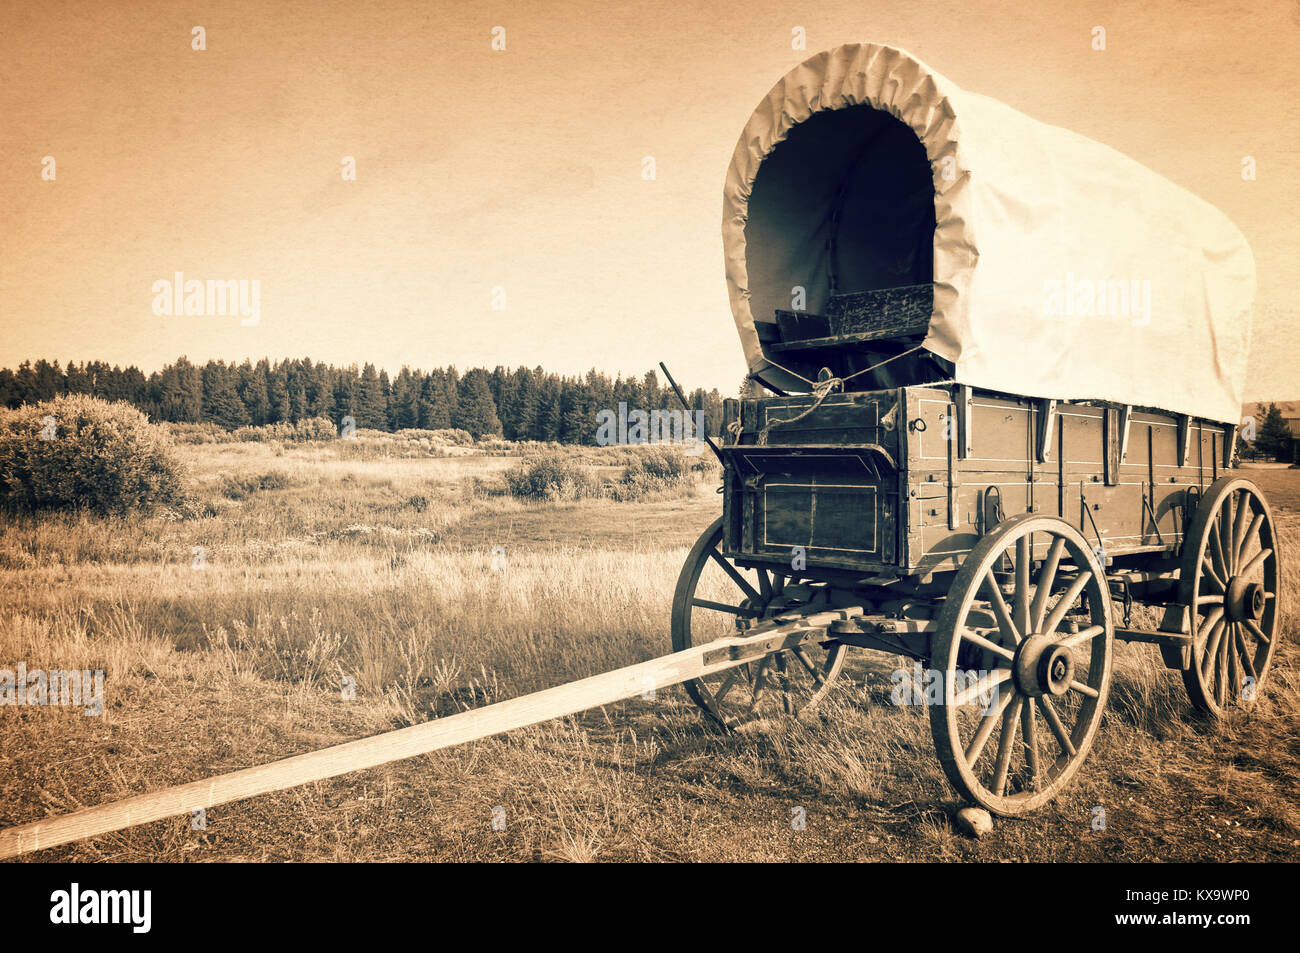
(843, 204)
(1060, 268)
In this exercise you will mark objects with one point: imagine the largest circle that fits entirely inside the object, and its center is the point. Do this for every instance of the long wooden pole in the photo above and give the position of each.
(771, 636)
(682, 397)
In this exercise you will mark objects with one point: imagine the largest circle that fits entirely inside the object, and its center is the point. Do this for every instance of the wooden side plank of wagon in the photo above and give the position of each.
(781, 633)
(1126, 477)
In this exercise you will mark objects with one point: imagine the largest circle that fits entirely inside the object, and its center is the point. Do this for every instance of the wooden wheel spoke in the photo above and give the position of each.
(1256, 631)
(1046, 579)
(1083, 635)
(1000, 611)
(1212, 576)
(1217, 555)
(985, 730)
(1252, 535)
(727, 682)
(1054, 722)
(813, 670)
(1243, 653)
(1088, 690)
(975, 637)
(760, 682)
(1067, 600)
(985, 683)
(1207, 624)
(1233, 688)
(1224, 524)
(1256, 561)
(1212, 648)
(1239, 529)
(1221, 672)
(782, 673)
(1005, 743)
(725, 607)
(736, 577)
(1022, 598)
(1030, 732)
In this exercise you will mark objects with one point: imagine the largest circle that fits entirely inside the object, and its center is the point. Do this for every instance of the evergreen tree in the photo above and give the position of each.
(297, 385)
(48, 380)
(476, 411)
(177, 392)
(403, 412)
(277, 394)
(528, 397)
(651, 393)
(1274, 438)
(345, 395)
(77, 379)
(551, 414)
(8, 388)
(320, 392)
(431, 409)
(221, 402)
(252, 391)
(577, 417)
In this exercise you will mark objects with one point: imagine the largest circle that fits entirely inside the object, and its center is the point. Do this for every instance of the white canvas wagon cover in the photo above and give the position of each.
(1061, 268)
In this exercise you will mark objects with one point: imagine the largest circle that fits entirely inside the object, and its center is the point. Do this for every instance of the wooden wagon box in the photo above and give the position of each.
(906, 480)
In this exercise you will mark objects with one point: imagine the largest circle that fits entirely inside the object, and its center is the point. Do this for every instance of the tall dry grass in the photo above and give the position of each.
(432, 596)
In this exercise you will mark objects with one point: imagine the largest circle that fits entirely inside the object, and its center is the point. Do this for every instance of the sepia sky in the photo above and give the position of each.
(522, 169)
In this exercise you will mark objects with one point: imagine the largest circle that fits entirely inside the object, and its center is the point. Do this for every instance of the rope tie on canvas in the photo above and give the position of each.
(820, 391)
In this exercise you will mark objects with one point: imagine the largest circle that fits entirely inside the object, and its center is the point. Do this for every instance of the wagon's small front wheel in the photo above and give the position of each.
(715, 598)
(1023, 662)
(1229, 580)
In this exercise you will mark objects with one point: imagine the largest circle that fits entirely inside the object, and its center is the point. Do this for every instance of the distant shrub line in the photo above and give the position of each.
(555, 476)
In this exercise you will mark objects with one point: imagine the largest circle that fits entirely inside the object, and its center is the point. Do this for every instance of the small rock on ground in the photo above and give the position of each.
(974, 821)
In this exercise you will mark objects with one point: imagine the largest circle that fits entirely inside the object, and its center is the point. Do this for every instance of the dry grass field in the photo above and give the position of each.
(318, 565)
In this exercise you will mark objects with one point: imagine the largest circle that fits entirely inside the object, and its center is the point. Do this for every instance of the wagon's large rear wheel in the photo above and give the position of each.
(1025, 676)
(716, 598)
(1229, 581)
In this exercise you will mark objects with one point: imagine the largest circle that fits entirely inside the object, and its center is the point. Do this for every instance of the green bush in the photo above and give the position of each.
(659, 469)
(309, 428)
(80, 452)
(564, 474)
(453, 436)
(667, 465)
(245, 485)
(195, 434)
(552, 476)
(315, 428)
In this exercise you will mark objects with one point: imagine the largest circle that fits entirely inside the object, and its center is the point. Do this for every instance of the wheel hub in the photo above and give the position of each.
(1043, 667)
(1243, 600)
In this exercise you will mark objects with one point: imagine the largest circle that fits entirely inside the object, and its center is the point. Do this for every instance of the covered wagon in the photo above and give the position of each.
(997, 371)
